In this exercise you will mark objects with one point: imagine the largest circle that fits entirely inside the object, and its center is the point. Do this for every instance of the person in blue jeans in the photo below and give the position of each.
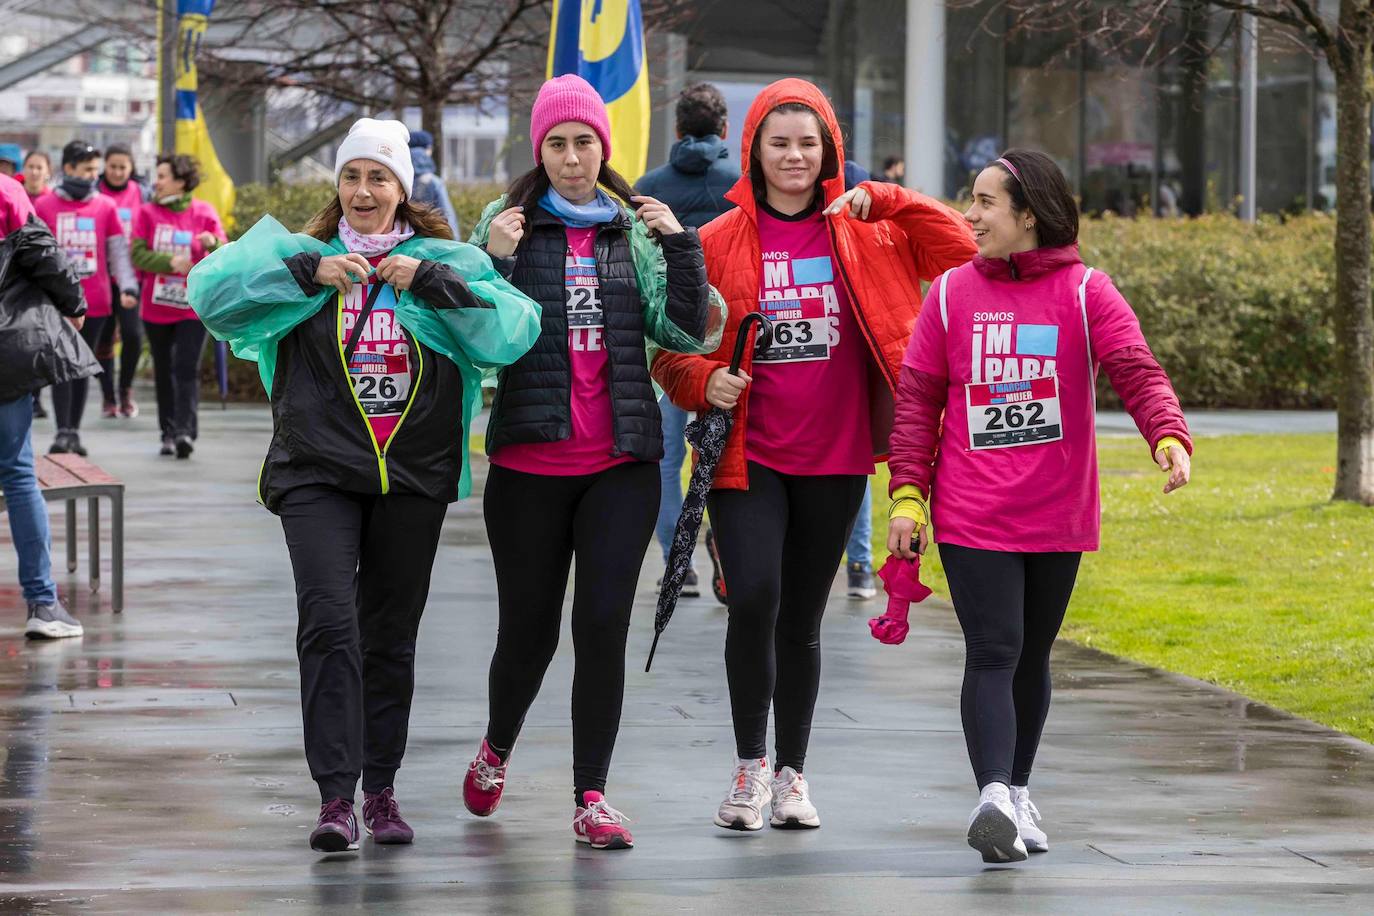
(693, 184)
(859, 553)
(28, 516)
(41, 307)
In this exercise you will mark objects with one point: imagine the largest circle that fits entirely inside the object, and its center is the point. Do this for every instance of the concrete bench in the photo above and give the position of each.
(69, 478)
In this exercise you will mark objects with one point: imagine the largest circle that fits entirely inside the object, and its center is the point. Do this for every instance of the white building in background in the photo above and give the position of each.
(105, 96)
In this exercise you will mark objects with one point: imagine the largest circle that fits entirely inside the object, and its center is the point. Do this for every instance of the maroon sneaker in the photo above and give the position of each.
(337, 830)
(382, 818)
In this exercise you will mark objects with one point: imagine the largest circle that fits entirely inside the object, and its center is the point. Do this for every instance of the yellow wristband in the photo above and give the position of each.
(909, 508)
(1164, 444)
(907, 502)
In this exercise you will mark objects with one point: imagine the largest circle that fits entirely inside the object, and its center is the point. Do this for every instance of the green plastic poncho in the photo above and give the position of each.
(245, 295)
(651, 275)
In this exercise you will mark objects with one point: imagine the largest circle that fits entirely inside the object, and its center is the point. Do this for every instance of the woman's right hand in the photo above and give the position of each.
(723, 389)
(506, 230)
(903, 533)
(341, 271)
(181, 263)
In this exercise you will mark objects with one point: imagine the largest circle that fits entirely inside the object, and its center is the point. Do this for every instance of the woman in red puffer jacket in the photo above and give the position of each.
(839, 276)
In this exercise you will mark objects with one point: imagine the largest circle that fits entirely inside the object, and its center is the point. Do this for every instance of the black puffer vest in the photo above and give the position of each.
(533, 398)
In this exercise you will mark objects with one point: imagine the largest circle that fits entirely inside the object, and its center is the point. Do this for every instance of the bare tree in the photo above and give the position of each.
(1344, 41)
(389, 54)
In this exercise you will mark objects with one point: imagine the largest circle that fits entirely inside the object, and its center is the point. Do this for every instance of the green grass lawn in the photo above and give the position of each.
(1249, 577)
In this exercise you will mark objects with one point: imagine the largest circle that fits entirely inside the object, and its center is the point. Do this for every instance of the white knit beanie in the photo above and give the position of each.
(387, 142)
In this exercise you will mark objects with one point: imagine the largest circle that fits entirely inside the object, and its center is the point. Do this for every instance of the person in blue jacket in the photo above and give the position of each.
(693, 184)
(429, 184)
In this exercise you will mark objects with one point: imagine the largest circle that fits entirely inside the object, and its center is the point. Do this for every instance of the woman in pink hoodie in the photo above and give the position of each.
(995, 434)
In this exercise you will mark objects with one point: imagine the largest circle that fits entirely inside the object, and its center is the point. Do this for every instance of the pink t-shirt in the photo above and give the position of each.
(1017, 465)
(127, 203)
(589, 449)
(171, 232)
(82, 229)
(381, 368)
(15, 207)
(808, 405)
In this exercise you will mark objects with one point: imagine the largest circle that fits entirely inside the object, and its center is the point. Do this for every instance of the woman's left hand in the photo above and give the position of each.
(398, 270)
(207, 240)
(1180, 467)
(657, 215)
(859, 202)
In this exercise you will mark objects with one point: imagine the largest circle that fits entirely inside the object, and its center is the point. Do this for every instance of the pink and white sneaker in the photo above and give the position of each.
(484, 782)
(599, 825)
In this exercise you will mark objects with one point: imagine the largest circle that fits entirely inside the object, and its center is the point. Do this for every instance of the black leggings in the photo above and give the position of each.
(69, 398)
(362, 565)
(1010, 606)
(130, 328)
(536, 525)
(176, 352)
(780, 545)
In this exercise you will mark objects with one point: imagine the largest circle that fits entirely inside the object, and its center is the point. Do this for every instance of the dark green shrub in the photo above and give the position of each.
(1238, 314)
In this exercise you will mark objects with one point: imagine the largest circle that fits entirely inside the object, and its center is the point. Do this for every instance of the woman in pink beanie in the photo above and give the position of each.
(575, 435)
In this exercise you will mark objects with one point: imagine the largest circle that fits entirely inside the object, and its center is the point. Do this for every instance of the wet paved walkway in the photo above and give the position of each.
(156, 764)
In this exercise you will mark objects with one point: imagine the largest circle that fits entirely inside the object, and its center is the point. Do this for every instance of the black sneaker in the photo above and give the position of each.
(51, 621)
(61, 443)
(184, 446)
(691, 585)
(74, 444)
(861, 581)
(169, 446)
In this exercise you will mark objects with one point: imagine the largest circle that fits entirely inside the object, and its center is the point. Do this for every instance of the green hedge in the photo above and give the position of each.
(1239, 314)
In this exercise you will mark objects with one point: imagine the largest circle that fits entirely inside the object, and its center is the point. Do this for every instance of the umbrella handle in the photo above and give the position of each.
(765, 334)
(652, 649)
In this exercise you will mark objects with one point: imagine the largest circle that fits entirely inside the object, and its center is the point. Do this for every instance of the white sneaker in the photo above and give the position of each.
(1027, 815)
(792, 808)
(749, 793)
(992, 826)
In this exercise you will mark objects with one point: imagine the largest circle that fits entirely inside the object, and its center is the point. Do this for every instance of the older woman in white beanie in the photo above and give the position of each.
(371, 331)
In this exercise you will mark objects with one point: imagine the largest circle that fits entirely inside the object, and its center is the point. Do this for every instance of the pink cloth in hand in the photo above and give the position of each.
(902, 582)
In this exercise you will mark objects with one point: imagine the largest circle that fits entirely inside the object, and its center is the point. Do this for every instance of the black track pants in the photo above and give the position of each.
(176, 350)
(130, 327)
(1010, 606)
(362, 565)
(69, 398)
(536, 525)
(780, 545)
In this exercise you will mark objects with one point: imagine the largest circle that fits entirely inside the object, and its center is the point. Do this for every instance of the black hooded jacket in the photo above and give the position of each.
(39, 291)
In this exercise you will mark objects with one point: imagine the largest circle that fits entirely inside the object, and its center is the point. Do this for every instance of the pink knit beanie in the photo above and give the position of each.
(569, 98)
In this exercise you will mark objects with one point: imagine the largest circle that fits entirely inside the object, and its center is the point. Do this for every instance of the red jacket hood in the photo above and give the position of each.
(781, 93)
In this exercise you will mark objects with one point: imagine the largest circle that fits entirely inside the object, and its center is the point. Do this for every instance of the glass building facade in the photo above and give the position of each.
(1139, 127)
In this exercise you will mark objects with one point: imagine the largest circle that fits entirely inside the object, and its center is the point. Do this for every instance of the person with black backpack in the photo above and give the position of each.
(41, 310)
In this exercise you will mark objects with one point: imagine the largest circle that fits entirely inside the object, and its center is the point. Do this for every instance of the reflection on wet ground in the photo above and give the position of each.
(155, 764)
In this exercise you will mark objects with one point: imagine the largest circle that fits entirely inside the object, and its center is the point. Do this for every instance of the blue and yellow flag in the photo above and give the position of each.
(602, 41)
(192, 137)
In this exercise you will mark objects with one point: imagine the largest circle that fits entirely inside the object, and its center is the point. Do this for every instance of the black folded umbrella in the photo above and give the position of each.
(707, 434)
